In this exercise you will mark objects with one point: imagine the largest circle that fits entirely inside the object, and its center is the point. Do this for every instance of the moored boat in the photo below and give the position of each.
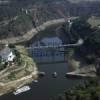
(21, 90)
(55, 74)
(35, 81)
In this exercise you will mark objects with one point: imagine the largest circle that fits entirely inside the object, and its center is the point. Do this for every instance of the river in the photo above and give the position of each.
(47, 86)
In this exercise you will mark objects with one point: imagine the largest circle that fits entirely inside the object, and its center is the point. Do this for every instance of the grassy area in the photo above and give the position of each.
(26, 67)
(88, 90)
(94, 21)
(25, 56)
(16, 27)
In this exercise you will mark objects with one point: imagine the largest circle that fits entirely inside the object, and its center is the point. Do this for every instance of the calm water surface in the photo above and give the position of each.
(47, 87)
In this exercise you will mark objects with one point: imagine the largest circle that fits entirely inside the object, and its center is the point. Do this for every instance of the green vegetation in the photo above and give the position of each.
(95, 38)
(18, 58)
(95, 21)
(88, 90)
(89, 52)
(91, 36)
(46, 10)
(81, 27)
(3, 66)
(22, 66)
(12, 76)
(12, 46)
(16, 27)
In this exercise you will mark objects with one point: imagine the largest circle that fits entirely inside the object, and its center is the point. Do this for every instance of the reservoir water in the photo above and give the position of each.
(47, 87)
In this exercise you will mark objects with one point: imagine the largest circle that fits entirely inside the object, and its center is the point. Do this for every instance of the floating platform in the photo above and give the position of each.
(35, 81)
(54, 74)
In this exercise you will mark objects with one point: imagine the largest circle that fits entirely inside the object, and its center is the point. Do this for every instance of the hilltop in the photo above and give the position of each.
(18, 16)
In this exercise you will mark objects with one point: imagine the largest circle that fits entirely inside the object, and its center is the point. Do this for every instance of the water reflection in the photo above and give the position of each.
(49, 54)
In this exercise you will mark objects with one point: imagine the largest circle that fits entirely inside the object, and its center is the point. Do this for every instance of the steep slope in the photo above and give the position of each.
(44, 9)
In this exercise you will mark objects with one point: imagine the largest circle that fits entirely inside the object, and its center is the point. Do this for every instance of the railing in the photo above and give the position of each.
(79, 43)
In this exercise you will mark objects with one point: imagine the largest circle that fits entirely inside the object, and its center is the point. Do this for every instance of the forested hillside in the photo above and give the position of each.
(81, 8)
(16, 15)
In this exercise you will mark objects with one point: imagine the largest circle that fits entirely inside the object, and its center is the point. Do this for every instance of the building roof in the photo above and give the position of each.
(5, 52)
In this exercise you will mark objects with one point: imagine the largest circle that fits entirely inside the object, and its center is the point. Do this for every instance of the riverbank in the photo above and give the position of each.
(78, 74)
(33, 32)
(19, 75)
(79, 70)
(77, 66)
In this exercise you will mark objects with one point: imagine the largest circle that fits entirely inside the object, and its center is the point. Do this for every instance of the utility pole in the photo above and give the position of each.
(35, 18)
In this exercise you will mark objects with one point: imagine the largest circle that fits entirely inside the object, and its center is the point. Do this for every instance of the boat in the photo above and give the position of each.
(35, 81)
(21, 90)
(54, 74)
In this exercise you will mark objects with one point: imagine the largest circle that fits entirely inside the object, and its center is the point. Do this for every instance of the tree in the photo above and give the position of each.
(82, 27)
(94, 95)
(95, 38)
(11, 46)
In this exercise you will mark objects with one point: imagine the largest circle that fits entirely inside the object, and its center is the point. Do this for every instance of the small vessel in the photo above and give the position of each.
(35, 81)
(21, 90)
(54, 74)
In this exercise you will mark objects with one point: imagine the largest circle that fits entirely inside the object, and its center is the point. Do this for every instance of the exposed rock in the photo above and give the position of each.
(73, 64)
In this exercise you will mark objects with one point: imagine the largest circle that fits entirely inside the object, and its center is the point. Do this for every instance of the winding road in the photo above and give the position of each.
(27, 36)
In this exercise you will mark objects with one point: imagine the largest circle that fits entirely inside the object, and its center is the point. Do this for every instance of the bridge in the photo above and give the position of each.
(51, 53)
(79, 43)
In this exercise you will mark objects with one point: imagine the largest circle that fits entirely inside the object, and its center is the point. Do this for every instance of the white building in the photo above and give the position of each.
(7, 54)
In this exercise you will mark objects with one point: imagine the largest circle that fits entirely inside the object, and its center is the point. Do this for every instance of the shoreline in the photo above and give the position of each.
(30, 34)
(11, 85)
(74, 74)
